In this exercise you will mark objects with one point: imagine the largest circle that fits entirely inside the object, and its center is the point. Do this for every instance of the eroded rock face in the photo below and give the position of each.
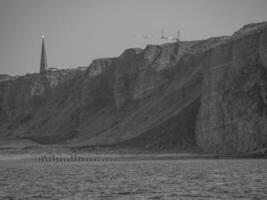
(232, 116)
(209, 94)
(98, 66)
(4, 77)
(138, 72)
(26, 99)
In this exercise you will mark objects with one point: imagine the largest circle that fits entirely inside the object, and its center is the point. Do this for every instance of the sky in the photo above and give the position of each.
(78, 31)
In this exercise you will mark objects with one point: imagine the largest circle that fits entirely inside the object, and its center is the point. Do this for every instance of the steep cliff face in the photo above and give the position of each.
(233, 103)
(209, 94)
(27, 101)
(135, 94)
(4, 77)
(138, 72)
(98, 66)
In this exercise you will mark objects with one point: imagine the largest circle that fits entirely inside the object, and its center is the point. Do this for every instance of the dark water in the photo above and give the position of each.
(184, 179)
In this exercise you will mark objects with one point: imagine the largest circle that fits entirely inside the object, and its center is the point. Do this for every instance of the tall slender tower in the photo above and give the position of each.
(43, 63)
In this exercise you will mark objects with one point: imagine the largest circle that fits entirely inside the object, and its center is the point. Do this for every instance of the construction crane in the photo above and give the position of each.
(162, 36)
(172, 38)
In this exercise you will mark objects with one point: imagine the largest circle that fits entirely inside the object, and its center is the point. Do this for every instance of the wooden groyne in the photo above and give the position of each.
(61, 158)
(89, 157)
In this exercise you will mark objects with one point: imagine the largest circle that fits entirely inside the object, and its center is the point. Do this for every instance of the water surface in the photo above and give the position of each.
(181, 179)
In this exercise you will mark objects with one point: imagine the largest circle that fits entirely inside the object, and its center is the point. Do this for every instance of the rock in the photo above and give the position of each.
(4, 77)
(232, 116)
(98, 66)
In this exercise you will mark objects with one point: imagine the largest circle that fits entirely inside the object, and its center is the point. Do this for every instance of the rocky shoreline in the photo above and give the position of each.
(90, 157)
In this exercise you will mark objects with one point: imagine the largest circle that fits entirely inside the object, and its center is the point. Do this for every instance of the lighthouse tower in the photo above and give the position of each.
(43, 63)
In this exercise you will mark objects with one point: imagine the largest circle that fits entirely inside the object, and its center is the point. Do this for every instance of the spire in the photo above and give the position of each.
(43, 63)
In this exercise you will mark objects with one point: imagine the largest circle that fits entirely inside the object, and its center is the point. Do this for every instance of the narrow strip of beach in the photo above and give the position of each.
(46, 158)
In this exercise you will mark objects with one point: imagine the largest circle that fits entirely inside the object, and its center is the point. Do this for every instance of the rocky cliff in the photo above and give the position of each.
(232, 116)
(208, 94)
(4, 77)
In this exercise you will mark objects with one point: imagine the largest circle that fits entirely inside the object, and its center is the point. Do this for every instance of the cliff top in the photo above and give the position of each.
(250, 28)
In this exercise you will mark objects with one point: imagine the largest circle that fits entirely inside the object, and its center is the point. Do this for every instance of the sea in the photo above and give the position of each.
(169, 180)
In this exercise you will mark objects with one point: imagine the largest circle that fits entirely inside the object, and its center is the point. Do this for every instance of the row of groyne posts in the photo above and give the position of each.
(65, 158)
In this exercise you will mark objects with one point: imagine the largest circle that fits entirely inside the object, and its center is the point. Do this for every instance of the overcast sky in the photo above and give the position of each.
(77, 31)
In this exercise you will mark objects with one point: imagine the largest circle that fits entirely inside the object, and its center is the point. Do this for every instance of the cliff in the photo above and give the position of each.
(208, 94)
(232, 116)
